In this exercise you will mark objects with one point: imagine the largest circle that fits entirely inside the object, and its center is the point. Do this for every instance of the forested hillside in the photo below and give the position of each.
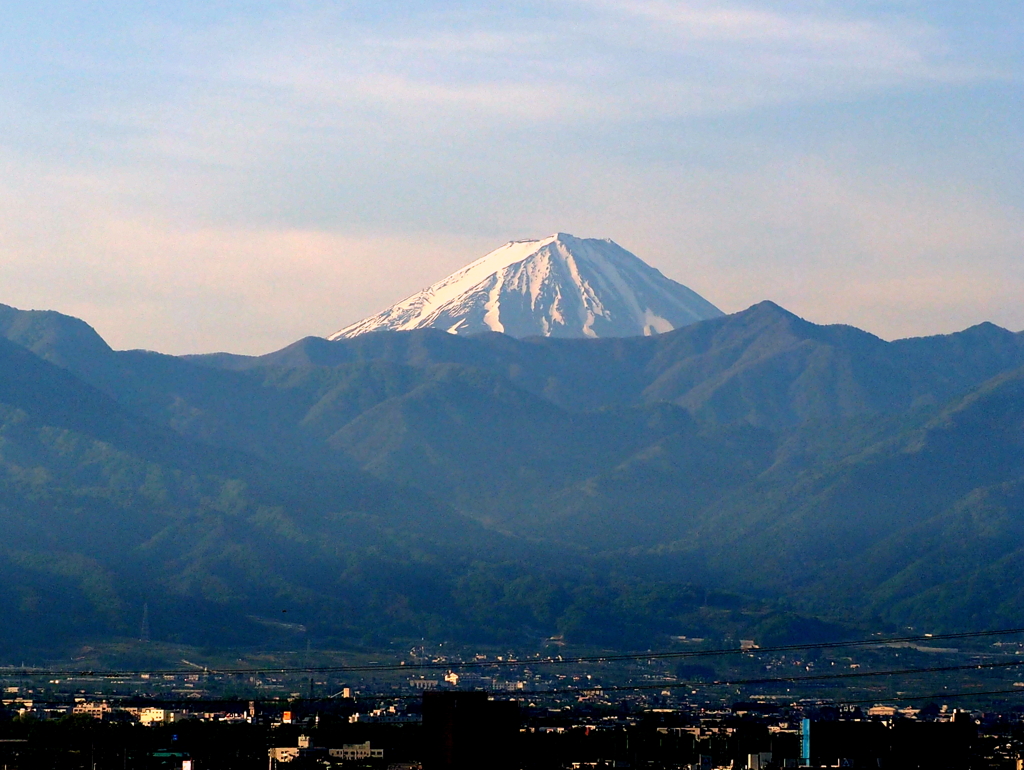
(754, 473)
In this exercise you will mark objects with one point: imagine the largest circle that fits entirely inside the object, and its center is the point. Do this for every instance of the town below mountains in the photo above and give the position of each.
(749, 476)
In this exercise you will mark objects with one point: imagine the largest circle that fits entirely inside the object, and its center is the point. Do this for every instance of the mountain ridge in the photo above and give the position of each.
(758, 453)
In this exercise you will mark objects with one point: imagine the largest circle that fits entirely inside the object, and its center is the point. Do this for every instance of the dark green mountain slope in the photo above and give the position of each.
(402, 474)
(102, 511)
(926, 526)
(62, 340)
(762, 367)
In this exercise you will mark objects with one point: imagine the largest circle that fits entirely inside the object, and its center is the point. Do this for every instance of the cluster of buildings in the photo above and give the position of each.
(389, 715)
(107, 711)
(448, 729)
(525, 718)
(306, 750)
(753, 737)
(453, 680)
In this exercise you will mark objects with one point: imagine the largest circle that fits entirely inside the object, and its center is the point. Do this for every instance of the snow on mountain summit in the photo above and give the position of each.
(559, 286)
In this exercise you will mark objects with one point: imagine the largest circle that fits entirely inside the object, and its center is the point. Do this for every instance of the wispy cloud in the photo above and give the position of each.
(238, 178)
(620, 59)
(232, 90)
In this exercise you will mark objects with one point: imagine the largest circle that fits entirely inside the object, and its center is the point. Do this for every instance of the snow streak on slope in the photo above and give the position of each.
(560, 286)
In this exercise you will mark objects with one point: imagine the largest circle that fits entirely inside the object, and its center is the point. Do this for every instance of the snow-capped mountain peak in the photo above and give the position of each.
(559, 286)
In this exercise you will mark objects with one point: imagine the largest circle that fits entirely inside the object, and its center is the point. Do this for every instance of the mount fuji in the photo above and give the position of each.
(559, 286)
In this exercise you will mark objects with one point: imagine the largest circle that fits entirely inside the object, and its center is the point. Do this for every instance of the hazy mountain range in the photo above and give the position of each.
(752, 473)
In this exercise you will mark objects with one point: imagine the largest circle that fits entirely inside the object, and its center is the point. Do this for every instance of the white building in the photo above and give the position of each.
(284, 753)
(354, 751)
(389, 716)
(94, 710)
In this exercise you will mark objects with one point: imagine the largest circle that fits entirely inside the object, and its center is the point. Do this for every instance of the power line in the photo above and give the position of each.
(933, 696)
(526, 695)
(795, 679)
(508, 662)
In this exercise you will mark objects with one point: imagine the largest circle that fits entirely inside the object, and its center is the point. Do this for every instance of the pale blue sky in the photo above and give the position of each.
(196, 176)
